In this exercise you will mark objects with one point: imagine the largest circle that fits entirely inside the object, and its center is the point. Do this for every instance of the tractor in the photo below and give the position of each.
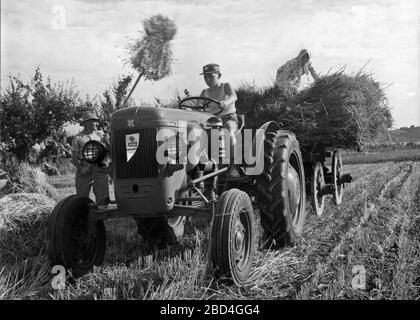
(169, 164)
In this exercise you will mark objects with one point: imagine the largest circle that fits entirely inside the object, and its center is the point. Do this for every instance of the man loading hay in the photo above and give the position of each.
(88, 175)
(289, 75)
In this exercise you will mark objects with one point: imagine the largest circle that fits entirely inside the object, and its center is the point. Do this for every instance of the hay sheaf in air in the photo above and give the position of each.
(338, 109)
(160, 27)
(151, 55)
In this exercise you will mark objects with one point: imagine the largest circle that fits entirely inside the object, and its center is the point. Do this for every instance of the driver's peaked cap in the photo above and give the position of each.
(211, 68)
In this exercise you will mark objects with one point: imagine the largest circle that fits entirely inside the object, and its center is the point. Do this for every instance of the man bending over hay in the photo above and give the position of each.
(289, 75)
(88, 175)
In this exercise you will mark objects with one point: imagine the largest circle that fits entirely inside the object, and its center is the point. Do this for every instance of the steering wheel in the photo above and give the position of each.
(182, 105)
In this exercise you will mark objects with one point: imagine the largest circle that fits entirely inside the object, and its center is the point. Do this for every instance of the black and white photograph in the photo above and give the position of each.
(214, 155)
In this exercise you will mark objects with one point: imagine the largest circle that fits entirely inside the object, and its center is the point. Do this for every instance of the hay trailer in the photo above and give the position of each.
(322, 180)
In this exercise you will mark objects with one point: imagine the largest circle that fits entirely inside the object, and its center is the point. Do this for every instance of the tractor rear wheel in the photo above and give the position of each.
(69, 242)
(281, 190)
(160, 231)
(233, 234)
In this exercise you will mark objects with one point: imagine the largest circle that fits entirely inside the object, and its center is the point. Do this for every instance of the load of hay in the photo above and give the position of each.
(343, 110)
(23, 225)
(24, 264)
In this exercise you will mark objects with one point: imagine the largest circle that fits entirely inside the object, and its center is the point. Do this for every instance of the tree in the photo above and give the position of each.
(16, 112)
(112, 100)
(35, 113)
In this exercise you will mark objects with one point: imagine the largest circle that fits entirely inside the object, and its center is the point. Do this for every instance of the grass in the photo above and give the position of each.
(377, 227)
(380, 157)
(173, 273)
(379, 243)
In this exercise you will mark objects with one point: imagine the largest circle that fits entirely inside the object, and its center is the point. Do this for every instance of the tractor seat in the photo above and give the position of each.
(217, 121)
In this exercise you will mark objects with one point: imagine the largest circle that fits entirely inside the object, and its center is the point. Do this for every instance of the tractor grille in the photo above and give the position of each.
(143, 164)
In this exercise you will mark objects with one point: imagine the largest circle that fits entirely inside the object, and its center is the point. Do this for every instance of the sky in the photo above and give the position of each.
(84, 40)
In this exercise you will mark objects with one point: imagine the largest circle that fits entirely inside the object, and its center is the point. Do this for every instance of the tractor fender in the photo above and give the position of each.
(258, 146)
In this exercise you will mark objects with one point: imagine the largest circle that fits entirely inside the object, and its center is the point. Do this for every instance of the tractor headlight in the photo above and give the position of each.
(94, 152)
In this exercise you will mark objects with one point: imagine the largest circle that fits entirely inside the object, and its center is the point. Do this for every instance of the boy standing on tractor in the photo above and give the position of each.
(88, 175)
(225, 94)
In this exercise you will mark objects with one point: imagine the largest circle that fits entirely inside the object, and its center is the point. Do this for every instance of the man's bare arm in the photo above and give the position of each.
(75, 159)
(75, 153)
(313, 72)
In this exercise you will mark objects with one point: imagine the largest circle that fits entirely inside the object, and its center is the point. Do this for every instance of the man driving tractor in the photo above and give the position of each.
(225, 94)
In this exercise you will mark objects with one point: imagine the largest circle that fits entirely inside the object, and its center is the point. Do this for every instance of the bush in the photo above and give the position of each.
(34, 113)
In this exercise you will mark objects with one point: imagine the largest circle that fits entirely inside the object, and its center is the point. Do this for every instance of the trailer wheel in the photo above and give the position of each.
(317, 182)
(281, 190)
(160, 232)
(233, 245)
(69, 242)
(337, 164)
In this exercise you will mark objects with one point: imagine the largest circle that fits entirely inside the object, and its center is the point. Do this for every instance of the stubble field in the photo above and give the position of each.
(366, 248)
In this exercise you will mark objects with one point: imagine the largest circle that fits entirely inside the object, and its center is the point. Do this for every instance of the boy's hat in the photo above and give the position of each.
(89, 116)
(211, 68)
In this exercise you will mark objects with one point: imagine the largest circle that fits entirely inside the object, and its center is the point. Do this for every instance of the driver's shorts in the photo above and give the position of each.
(230, 121)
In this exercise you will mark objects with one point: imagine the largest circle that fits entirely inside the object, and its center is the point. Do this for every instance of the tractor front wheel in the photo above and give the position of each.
(233, 244)
(72, 243)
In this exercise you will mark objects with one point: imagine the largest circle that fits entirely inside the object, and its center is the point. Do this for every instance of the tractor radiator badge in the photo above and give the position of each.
(131, 144)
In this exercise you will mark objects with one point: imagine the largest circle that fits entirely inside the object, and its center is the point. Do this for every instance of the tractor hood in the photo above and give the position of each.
(152, 117)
